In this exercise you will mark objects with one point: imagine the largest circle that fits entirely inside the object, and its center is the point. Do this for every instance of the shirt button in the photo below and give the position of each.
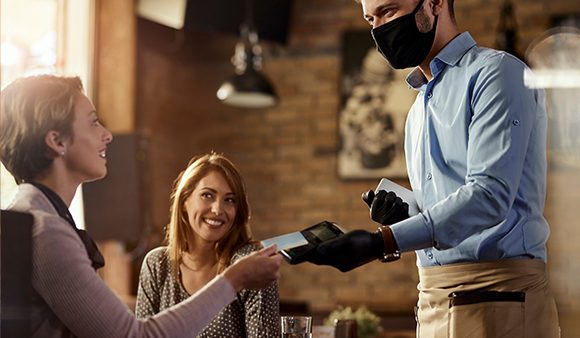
(430, 95)
(429, 176)
(430, 254)
(516, 122)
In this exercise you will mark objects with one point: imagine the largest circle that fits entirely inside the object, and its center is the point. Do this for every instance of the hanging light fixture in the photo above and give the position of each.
(507, 30)
(248, 88)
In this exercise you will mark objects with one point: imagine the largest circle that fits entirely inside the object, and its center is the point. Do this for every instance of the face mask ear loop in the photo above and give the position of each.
(416, 10)
(419, 5)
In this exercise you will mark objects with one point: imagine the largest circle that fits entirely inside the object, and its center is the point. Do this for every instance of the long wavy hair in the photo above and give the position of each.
(179, 229)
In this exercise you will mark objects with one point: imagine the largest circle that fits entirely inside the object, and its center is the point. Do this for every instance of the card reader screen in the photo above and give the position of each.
(315, 235)
(323, 233)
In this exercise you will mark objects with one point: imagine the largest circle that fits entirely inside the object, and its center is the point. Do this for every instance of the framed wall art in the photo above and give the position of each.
(374, 101)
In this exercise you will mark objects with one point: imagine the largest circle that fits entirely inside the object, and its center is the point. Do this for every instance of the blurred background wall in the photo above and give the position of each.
(287, 154)
(155, 88)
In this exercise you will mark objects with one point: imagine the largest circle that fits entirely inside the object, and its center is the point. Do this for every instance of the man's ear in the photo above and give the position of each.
(437, 6)
(55, 141)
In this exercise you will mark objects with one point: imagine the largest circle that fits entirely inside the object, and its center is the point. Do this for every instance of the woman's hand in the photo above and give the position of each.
(256, 270)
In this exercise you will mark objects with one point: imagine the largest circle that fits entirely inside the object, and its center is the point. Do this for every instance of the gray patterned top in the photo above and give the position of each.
(253, 314)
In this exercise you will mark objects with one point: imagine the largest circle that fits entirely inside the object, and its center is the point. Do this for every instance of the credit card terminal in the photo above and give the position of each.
(315, 235)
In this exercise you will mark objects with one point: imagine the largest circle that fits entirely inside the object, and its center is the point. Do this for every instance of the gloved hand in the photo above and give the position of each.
(386, 207)
(349, 251)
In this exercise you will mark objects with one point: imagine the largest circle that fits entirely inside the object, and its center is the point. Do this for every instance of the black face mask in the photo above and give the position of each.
(401, 42)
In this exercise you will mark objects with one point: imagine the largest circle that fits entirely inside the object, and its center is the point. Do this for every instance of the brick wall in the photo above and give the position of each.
(288, 154)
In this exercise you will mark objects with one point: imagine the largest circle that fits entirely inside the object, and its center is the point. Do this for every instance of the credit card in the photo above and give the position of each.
(287, 241)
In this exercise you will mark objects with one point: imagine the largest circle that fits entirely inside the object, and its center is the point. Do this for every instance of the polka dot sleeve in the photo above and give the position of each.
(148, 294)
(261, 307)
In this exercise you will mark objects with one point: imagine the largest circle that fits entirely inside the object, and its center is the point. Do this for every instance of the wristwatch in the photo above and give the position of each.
(391, 252)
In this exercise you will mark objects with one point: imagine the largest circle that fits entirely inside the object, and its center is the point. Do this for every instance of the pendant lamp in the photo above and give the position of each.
(248, 87)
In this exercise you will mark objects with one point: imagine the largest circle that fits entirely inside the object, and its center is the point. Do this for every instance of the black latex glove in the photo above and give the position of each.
(386, 207)
(349, 251)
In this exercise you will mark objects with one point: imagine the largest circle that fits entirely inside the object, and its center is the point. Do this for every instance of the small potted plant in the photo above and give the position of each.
(368, 323)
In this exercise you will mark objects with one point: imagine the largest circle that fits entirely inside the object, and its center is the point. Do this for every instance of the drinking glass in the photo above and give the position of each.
(296, 326)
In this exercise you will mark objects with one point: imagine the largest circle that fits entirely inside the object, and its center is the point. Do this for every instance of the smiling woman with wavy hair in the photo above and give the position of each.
(208, 230)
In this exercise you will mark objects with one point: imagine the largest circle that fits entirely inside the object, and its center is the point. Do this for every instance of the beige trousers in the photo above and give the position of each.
(507, 298)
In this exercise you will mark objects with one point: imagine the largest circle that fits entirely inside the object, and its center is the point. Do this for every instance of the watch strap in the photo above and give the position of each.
(391, 252)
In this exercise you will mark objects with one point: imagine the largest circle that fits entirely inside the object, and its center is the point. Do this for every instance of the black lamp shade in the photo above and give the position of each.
(250, 89)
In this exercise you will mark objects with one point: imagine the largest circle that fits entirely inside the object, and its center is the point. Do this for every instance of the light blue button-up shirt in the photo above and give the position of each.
(475, 146)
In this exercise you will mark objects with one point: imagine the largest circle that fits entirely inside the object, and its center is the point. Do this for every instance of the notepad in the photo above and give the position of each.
(405, 194)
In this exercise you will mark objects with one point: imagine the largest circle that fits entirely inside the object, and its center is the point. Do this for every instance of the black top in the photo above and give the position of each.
(97, 260)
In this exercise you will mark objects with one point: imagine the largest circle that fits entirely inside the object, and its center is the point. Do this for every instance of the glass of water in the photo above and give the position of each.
(296, 326)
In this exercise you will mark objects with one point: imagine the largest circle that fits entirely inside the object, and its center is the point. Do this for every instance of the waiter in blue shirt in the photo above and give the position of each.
(475, 146)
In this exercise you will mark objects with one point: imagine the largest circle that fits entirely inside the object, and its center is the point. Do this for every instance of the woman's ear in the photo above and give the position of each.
(55, 142)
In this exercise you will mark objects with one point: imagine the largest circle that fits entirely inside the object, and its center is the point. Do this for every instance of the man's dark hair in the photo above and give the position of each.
(449, 3)
(451, 9)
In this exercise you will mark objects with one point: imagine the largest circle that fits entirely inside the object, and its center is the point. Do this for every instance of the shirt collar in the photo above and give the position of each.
(448, 56)
(455, 49)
